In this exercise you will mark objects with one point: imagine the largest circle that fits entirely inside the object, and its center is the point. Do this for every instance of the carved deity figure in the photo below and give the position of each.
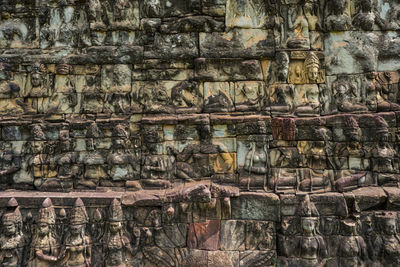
(95, 169)
(316, 177)
(256, 169)
(338, 20)
(121, 161)
(312, 15)
(383, 155)
(124, 15)
(308, 247)
(76, 249)
(349, 158)
(346, 97)
(380, 90)
(155, 99)
(246, 14)
(298, 34)
(248, 96)
(44, 246)
(366, 17)
(281, 93)
(118, 249)
(311, 248)
(204, 160)
(312, 67)
(387, 243)
(38, 88)
(11, 102)
(186, 97)
(157, 170)
(11, 237)
(96, 14)
(40, 162)
(352, 250)
(10, 164)
(67, 32)
(64, 98)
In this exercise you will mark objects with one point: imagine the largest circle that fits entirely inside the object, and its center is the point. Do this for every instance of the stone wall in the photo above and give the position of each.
(199, 133)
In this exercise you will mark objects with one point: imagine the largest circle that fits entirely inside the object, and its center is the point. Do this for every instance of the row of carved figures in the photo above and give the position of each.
(350, 247)
(308, 247)
(76, 247)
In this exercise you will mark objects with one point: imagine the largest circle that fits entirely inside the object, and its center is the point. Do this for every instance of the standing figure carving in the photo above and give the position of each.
(349, 159)
(338, 20)
(310, 246)
(352, 248)
(76, 249)
(118, 249)
(11, 236)
(121, 162)
(387, 244)
(44, 246)
(383, 155)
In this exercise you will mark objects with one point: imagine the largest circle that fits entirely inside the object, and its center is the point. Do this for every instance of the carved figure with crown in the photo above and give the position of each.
(349, 158)
(38, 88)
(384, 164)
(122, 161)
(11, 236)
(387, 244)
(76, 250)
(118, 250)
(44, 247)
(309, 246)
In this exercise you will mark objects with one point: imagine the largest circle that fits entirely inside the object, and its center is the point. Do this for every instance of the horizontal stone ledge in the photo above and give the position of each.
(245, 205)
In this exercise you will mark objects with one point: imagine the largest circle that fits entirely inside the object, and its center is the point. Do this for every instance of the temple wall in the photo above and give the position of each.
(199, 133)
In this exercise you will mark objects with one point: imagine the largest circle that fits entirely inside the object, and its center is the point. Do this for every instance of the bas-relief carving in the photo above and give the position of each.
(246, 14)
(11, 238)
(155, 116)
(44, 246)
(307, 247)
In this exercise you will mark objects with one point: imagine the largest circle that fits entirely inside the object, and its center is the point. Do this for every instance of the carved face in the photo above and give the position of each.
(36, 80)
(119, 142)
(384, 136)
(115, 227)
(366, 5)
(37, 146)
(44, 229)
(9, 228)
(390, 227)
(76, 229)
(339, 6)
(312, 73)
(283, 66)
(308, 225)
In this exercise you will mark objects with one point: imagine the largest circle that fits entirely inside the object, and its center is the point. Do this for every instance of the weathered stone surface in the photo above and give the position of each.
(204, 235)
(248, 43)
(256, 206)
(199, 133)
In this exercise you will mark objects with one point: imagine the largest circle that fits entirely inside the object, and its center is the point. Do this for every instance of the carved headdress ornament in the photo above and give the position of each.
(13, 213)
(351, 123)
(93, 131)
(386, 216)
(79, 214)
(307, 209)
(47, 213)
(38, 134)
(381, 125)
(311, 60)
(120, 131)
(116, 214)
(38, 67)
